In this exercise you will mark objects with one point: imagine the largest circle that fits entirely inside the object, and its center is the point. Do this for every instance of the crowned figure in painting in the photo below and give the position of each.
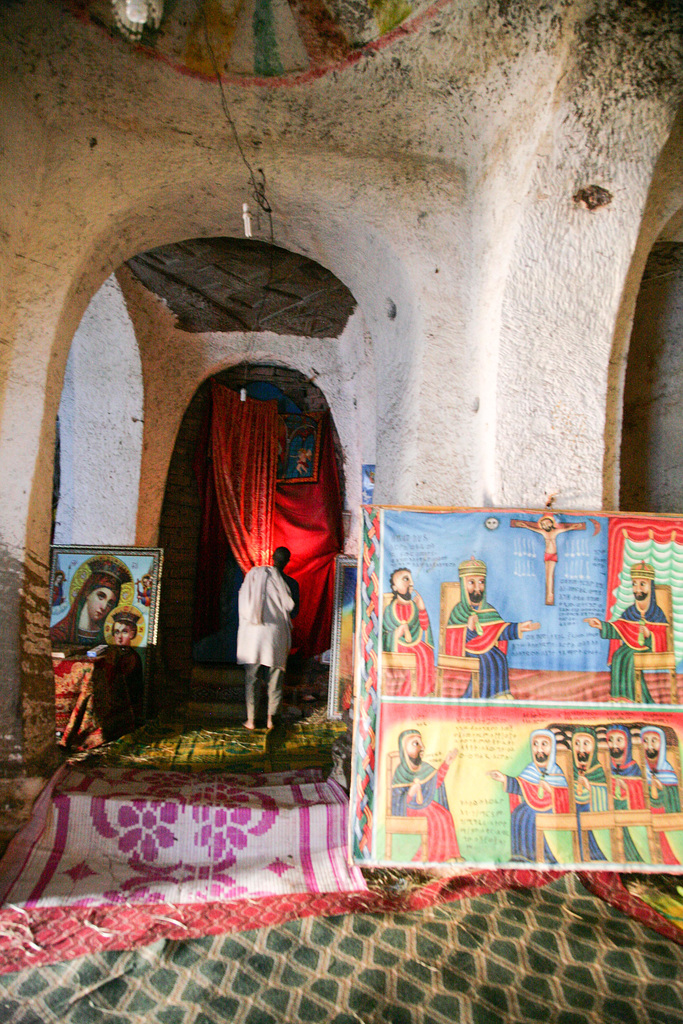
(640, 628)
(476, 630)
(101, 579)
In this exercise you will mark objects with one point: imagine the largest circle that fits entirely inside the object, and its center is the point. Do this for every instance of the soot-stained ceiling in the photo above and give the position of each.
(241, 284)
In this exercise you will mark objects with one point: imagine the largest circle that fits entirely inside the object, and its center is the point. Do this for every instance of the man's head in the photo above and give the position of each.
(476, 588)
(414, 749)
(583, 745)
(642, 590)
(146, 580)
(541, 748)
(651, 738)
(280, 558)
(473, 578)
(642, 581)
(401, 581)
(124, 629)
(546, 523)
(618, 745)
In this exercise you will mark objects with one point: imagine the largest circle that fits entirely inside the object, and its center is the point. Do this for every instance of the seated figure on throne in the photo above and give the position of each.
(541, 788)
(406, 630)
(476, 630)
(627, 784)
(590, 787)
(419, 790)
(663, 786)
(640, 628)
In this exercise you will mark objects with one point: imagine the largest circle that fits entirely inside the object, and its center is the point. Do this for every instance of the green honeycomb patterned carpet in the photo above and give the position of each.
(553, 955)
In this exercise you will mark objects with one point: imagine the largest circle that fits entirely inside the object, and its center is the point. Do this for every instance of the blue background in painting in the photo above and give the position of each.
(368, 484)
(349, 581)
(432, 545)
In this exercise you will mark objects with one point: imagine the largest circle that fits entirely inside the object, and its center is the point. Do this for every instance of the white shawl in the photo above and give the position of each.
(264, 635)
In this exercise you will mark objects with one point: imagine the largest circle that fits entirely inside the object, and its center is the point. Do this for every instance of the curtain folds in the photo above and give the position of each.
(243, 510)
(308, 522)
(244, 455)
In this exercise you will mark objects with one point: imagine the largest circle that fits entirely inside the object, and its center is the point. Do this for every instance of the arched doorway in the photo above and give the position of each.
(99, 428)
(213, 321)
(652, 431)
(197, 630)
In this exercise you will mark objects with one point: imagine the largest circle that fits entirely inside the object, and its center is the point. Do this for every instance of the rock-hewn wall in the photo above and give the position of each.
(100, 426)
(434, 174)
(652, 433)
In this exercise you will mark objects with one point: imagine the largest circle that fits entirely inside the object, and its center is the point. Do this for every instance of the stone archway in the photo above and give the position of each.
(652, 427)
(227, 289)
(100, 427)
(179, 662)
(49, 299)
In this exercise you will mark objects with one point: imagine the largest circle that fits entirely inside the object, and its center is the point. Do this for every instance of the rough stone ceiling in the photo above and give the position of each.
(240, 284)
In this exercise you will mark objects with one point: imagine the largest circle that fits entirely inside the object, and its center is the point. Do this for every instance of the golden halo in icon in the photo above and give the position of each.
(127, 615)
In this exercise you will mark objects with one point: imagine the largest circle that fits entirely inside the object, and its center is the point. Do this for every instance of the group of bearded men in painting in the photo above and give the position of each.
(542, 788)
(476, 630)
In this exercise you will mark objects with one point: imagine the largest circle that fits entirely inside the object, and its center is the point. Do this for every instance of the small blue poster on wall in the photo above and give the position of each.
(368, 485)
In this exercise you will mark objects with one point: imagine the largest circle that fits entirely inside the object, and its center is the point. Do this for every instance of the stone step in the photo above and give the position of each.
(206, 710)
(217, 675)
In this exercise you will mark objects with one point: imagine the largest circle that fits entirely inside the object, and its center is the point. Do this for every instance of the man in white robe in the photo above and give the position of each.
(268, 601)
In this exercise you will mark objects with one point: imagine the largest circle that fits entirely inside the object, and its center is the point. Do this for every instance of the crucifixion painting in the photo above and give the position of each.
(549, 529)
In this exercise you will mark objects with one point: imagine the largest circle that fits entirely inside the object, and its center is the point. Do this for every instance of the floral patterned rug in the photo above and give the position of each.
(115, 835)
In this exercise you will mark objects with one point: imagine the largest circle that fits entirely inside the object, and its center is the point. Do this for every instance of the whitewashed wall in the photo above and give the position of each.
(101, 424)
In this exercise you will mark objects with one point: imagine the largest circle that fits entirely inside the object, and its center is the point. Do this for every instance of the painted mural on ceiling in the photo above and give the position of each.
(268, 40)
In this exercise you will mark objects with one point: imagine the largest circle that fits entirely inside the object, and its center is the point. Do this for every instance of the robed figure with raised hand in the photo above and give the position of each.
(418, 790)
(641, 628)
(540, 789)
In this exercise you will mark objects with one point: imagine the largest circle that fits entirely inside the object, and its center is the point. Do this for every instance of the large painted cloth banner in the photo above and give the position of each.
(517, 690)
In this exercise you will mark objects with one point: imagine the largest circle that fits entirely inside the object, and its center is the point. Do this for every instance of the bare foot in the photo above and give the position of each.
(269, 724)
(248, 725)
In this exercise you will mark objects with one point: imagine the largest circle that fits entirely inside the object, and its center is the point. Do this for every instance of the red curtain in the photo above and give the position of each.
(663, 531)
(308, 522)
(244, 452)
(306, 519)
(213, 543)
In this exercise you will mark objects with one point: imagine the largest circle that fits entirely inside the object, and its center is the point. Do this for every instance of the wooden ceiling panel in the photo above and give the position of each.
(238, 284)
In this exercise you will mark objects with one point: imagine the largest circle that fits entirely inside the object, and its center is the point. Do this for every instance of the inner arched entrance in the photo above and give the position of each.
(190, 307)
(198, 614)
(652, 431)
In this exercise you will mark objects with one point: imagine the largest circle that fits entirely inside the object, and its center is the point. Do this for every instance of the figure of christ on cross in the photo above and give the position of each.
(549, 528)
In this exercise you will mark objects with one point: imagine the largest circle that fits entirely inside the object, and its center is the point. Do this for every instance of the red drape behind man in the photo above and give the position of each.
(308, 522)
(244, 453)
(306, 519)
(213, 543)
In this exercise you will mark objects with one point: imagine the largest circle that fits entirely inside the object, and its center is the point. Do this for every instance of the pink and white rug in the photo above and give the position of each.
(117, 835)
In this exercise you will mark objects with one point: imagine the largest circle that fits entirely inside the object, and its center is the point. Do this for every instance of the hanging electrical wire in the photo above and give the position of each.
(258, 184)
(258, 187)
